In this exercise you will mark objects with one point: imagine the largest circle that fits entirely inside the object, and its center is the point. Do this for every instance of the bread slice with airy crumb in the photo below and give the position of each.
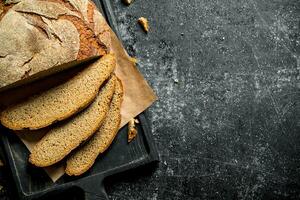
(85, 156)
(62, 101)
(61, 140)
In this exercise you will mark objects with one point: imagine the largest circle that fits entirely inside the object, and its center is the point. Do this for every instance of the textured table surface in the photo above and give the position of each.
(227, 122)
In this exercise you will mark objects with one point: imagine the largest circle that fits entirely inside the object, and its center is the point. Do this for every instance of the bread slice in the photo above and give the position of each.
(39, 38)
(61, 140)
(85, 156)
(62, 101)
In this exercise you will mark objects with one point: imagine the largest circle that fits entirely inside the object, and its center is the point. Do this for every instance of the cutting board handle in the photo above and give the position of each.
(93, 189)
(89, 196)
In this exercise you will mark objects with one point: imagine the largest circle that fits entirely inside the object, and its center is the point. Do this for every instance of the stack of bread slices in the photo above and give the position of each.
(82, 114)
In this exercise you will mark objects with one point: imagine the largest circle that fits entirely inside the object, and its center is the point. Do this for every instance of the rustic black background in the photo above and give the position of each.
(227, 122)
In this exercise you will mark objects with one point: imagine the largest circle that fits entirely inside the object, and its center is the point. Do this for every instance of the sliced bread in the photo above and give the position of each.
(62, 101)
(61, 140)
(85, 156)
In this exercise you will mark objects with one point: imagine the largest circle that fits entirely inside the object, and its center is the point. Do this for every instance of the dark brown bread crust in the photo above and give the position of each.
(89, 42)
(4, 9)
(99, 25)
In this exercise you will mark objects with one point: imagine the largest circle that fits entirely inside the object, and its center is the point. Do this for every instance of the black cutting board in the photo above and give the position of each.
(34, 183)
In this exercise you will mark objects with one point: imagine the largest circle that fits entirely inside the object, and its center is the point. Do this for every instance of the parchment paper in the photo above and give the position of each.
(138, 96)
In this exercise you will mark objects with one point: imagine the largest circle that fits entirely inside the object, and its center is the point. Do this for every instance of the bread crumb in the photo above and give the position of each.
(132, 131)
(127, 2)
(144, 23)
(134, 60)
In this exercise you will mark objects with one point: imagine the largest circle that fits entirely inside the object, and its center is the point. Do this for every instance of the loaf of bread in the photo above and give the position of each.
(85, 156)
(61, 140)
(40, 37)
(62, 101)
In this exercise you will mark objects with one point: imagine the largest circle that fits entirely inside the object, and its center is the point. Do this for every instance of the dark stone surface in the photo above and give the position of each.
(227, 76)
